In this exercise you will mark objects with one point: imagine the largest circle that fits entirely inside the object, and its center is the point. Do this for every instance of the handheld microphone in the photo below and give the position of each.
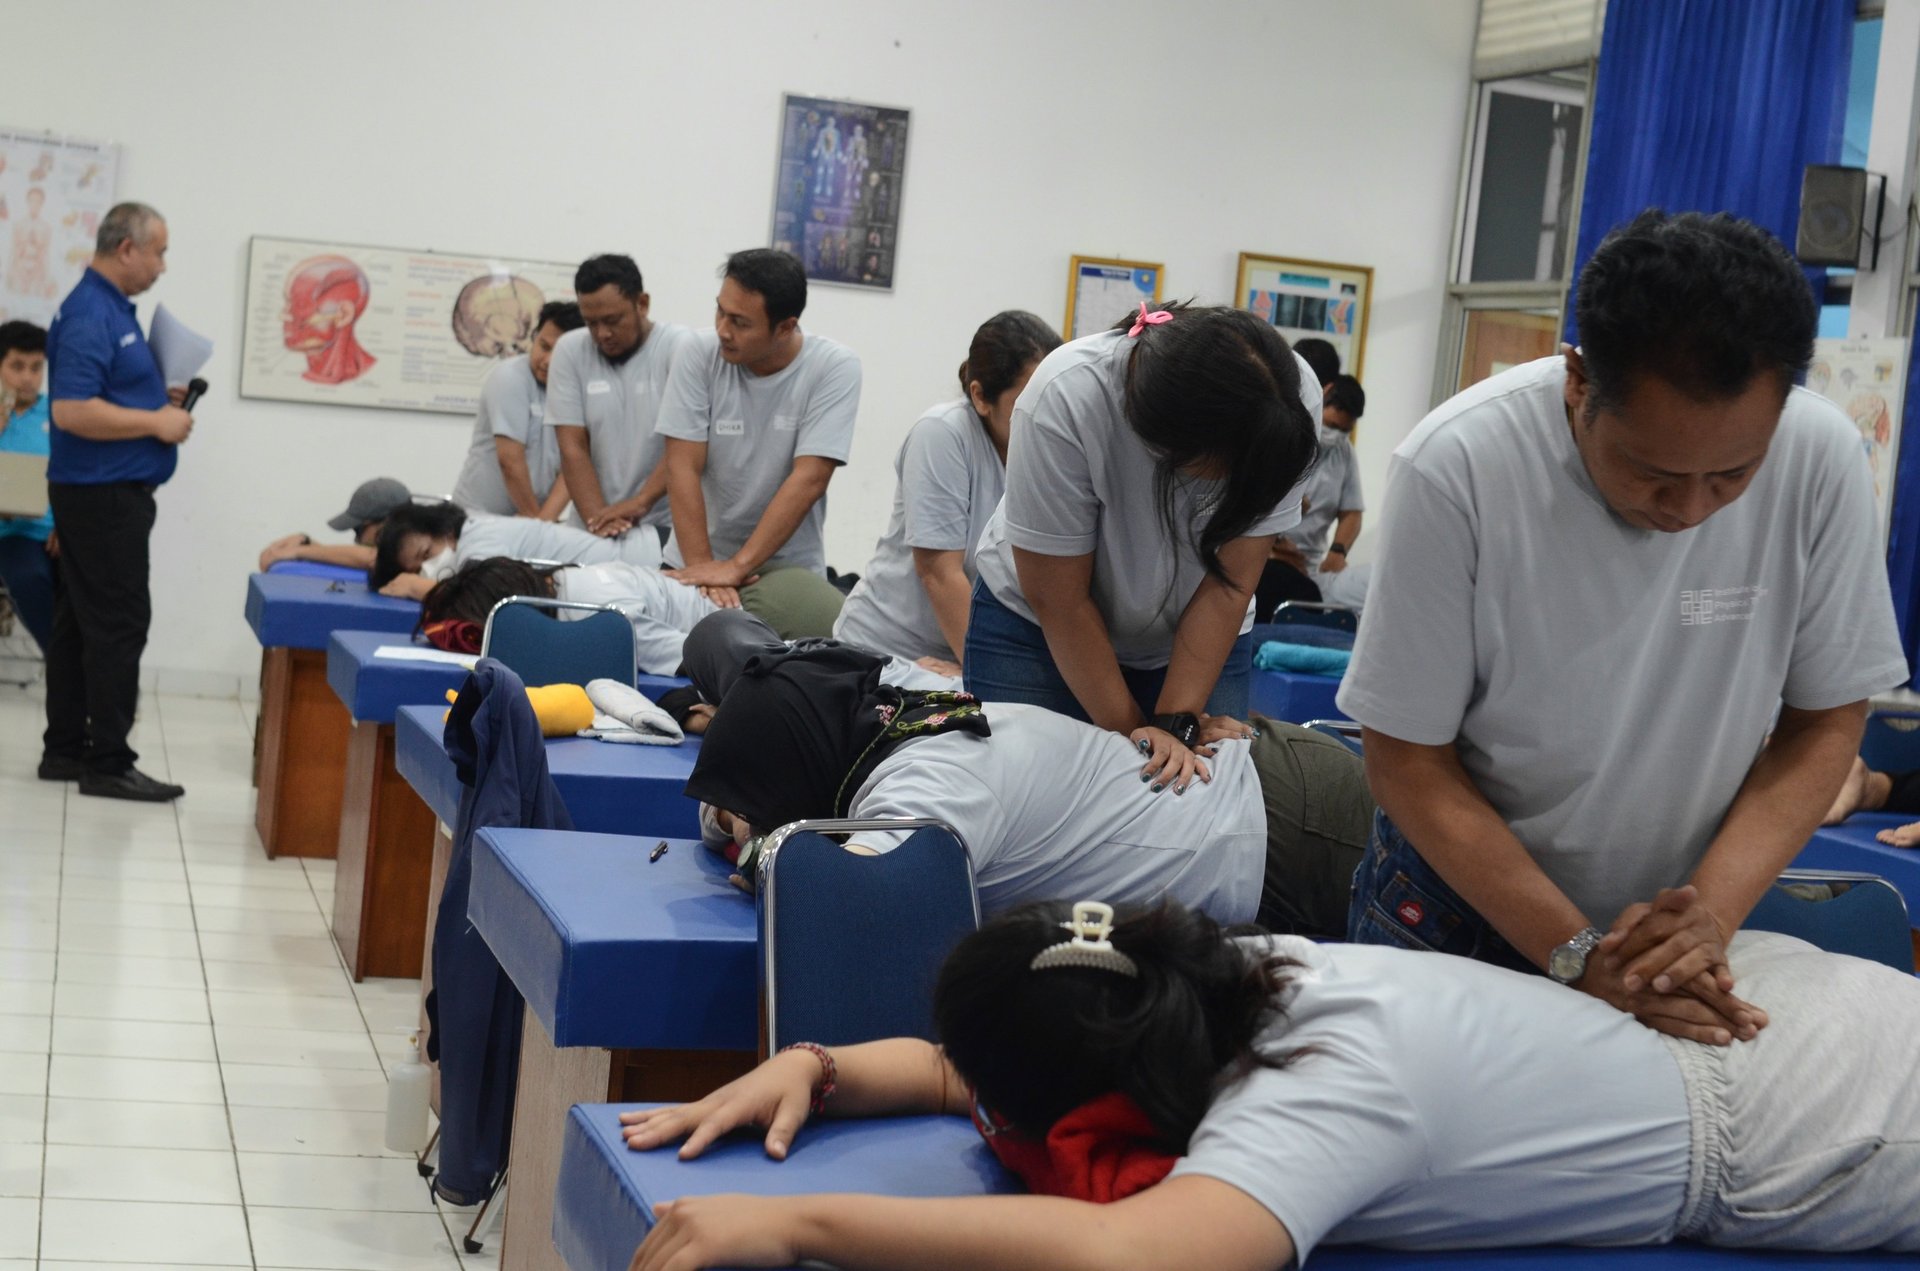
(196, 389)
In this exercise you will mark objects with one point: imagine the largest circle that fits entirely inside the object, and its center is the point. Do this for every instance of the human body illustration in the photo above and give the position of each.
(325, 296)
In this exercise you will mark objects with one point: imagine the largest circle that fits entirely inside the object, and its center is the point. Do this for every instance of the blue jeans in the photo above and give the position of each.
(1007, 660)
(1399, 900)
(27, 571)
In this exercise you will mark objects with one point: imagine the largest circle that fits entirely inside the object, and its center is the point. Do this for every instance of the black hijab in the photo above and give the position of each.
(800, 729)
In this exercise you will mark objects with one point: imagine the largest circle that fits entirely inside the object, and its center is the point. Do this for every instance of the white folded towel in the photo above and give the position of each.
(622, 713)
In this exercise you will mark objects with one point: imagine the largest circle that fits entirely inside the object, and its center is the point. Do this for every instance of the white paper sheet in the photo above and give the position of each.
(414, 653)
(179, 349)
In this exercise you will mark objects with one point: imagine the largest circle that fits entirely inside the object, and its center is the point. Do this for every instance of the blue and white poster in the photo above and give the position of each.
(837, 202)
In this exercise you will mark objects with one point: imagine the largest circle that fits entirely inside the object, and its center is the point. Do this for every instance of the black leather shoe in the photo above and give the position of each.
(131, 784)
(61, 768)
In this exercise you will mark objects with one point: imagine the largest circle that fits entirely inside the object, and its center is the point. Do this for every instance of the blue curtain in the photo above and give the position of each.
(1903, 553)
(1713, 106)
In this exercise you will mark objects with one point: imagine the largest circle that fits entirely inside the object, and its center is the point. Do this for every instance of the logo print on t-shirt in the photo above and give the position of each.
(1720, 604)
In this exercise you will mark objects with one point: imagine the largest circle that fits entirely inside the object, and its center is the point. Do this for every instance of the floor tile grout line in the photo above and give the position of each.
(46, 1100)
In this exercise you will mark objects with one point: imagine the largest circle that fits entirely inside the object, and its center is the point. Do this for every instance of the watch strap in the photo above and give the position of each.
(1183, 726)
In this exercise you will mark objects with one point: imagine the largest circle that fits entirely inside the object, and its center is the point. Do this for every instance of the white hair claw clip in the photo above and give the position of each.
(1090, 945)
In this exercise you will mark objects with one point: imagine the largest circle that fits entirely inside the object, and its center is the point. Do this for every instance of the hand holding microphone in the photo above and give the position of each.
(175, 423)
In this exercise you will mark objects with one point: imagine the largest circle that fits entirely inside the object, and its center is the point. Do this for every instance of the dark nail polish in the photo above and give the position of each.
(1157, 787)
(1146, 776)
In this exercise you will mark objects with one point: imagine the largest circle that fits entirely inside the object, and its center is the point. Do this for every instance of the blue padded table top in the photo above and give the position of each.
(315, 569)
(612, 949)
(604, 1201)
(1851, 846)
(608, 787)
(373, 687)
(293, 612)
(1294, 697)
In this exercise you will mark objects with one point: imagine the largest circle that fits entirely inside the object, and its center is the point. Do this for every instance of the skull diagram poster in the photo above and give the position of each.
(385, 327)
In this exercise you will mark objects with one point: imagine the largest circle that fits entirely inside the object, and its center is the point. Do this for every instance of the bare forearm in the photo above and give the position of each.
(788, 507)
(899, 1076)
(97, 419)
(1083, 651)
(1346, 527)
(348, 555)
(1433, 801)
(576, 468)
(556, 500)
(512, 458)
(1778, 807)
(1201, 643)
(944, 579)
(994, 1233)
(653, 489)
(689, 504)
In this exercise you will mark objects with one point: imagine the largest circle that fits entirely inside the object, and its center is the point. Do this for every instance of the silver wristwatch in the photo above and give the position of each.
(1568, 962)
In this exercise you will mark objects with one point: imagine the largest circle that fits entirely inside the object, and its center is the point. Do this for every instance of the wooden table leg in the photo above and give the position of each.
(303, 753)
(385, 861)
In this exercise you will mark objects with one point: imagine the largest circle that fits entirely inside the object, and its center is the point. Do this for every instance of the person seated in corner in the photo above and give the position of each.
(1271, 828)
(1868, 791)
(372, 503)
(424, 542)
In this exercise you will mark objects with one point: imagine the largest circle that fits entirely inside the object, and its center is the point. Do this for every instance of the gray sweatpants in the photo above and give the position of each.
(1808, 1137)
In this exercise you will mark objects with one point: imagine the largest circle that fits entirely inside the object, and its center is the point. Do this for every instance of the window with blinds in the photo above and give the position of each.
(1523, 37)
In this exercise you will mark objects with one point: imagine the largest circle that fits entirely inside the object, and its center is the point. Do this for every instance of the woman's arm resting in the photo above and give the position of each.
(943, 577)
(1178, 1225)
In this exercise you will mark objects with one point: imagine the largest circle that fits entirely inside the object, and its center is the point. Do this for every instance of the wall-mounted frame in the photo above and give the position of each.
(1100, 290)
(1305, 298)
(838, 184)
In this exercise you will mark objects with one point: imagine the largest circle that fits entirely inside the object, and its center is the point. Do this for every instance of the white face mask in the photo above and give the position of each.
(1329, 434)
(438, 566)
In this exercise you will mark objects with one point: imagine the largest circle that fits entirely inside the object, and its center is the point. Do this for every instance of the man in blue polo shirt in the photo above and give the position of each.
(116, 434)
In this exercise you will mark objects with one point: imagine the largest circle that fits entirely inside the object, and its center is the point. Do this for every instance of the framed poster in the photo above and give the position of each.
(837, 189)
(53, 192)
(1310, 298)
(1867, 379)
(385, 327)
(1101, 291)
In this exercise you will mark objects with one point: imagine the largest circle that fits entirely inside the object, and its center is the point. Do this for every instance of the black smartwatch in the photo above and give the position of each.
(1341, 548)
(1183, 725)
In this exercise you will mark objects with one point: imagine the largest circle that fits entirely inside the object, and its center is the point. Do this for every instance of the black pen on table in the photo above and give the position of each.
(657, 852)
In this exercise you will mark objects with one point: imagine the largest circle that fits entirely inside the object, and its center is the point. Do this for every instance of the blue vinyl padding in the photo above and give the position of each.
(1293, 696)
(314, 569)
(1891, 742)
(1851, 846)
(611, 949)
(288, 611)
(603, 1203)
(608, 787)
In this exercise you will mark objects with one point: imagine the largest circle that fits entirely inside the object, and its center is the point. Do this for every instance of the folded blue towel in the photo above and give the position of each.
(1278, 655)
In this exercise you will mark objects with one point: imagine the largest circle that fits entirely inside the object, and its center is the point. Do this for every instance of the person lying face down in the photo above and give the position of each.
(1241, 1102)
(424, 542)
(367, 511)
(453, 614)
(1047, 805)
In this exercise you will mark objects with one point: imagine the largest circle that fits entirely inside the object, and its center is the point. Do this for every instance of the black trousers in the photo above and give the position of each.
(101, 612)
(1281, 582)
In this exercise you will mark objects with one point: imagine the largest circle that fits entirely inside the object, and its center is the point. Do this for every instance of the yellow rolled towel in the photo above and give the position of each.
(562, 709)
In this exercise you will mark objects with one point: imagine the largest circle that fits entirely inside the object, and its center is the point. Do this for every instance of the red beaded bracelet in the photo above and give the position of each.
(827, 1087)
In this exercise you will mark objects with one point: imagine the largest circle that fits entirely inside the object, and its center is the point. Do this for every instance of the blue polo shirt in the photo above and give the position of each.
(27, 434)
(95, 349)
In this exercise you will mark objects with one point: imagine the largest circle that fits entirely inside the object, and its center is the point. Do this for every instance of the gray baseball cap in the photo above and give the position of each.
(374, 500)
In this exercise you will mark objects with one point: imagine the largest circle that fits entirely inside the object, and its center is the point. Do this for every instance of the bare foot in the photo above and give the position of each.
(1901, 836)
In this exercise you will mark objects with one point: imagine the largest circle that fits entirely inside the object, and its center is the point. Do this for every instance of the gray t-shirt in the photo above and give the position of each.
(1080, 480)
(525, 538)
(1053, 808)
(512, 405)
(617, 405)
(754, 427)
(661, 610)
(1609, 687)
(1332, 486)
(948, 480)
(1418, 1122)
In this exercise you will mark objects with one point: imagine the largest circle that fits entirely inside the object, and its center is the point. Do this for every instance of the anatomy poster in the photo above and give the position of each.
(1867, 379)
(1310, 298)
(378, 326)
(53, 192)
(837, 202)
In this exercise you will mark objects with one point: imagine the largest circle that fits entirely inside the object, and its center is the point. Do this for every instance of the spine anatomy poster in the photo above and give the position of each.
(53, 192)
(384, 327)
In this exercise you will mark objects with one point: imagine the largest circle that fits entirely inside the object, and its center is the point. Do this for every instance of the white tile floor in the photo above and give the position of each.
(188, 1078)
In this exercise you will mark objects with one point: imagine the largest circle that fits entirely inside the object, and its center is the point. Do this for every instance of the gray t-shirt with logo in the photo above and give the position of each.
(1080, 480)
(1332, 486)
(754, 427)
(1608, 687)
(949, 478)
(617, 405)
(512, 405)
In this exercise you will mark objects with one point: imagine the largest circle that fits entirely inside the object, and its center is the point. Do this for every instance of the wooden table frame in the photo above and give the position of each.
(303, 755)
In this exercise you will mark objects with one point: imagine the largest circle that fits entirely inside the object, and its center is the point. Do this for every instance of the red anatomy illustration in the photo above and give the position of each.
(325, 296)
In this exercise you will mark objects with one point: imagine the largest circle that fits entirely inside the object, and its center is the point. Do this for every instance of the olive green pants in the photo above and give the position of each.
(1319, 818)
(795, 602)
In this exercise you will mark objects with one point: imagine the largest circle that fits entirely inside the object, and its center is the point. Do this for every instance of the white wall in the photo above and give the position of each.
(1177, 131)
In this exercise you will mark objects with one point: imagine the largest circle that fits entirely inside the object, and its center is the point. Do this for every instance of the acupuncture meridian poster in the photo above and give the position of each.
(53, 193)
(349, 325)
(839, 181)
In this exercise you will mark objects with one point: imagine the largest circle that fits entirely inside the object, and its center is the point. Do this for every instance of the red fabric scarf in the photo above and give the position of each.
(455, 635)
(1101, 1151)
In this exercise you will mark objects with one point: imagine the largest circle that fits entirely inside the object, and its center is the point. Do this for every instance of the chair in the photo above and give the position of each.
(599, 646)
(1866, 916)
(1304, 622)
(1891, 742)
(851, 944)
(1343, 730)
